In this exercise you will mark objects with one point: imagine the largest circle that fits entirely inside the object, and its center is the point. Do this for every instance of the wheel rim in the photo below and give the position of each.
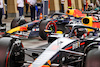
(51, 26)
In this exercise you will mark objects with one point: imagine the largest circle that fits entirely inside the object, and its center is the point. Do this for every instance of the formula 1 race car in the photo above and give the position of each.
(89, 18)
(20, 28)
(74, 49)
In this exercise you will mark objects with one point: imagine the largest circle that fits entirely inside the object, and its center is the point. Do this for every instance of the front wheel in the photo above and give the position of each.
(93, 58)
(46, 25)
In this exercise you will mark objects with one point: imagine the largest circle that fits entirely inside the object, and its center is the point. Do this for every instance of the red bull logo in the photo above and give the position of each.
(23, 28)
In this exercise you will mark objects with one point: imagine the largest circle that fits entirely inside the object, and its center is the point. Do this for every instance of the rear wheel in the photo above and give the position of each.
(46, 25)
(17, 22)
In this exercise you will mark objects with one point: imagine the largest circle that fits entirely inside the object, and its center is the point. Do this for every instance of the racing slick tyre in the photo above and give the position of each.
(46, 25)
(93, 58)
(11, 52)
(17, 22)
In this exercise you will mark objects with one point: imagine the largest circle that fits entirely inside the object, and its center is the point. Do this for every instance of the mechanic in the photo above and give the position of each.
(27, 5)
(6, 16)
(84, 3)
(20, 6)
(69, 4)
(98, 3)
(32, 8)
(91, 6)
(93, 1)
(62, 5)
(1, 9)
(95, 4)
(40, 8)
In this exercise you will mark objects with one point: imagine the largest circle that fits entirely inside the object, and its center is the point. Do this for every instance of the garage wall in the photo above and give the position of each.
(52, 8)
(12, 8)
(73, 4)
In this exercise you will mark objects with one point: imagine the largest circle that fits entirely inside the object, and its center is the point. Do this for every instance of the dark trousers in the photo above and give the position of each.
(39, 11)
(6, 15)
(38, 14)
(62, 8)
(26, 8)
(84, 7)
(32, 8)
(20, 9)
(1, 15)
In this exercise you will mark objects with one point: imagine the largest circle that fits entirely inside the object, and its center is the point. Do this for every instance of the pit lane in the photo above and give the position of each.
(28, 43)
(32, 43)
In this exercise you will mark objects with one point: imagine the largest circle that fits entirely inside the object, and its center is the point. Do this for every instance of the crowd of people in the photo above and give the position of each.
(93, 3)
(33, 6)
(2, 3)
(1, 10)
(37, 6)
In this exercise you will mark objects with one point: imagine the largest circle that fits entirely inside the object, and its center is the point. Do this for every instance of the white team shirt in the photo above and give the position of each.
(20, 3)
(1, 3)
(98, 2)
(91, 4)
(32, 2)
(84, 2)
(62, 1)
